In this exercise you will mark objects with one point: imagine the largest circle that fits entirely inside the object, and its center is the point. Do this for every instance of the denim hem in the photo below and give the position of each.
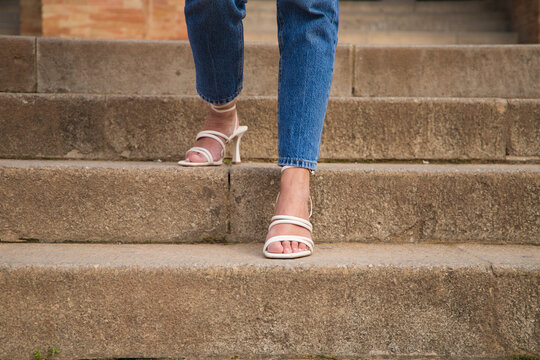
(220, 101)
(311, 165)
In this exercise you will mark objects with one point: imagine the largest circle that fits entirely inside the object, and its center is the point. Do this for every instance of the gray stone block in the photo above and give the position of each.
(111, 202)
(17, 64)
(117, 127)
(509, 71)
(399, 203)
(215, 301)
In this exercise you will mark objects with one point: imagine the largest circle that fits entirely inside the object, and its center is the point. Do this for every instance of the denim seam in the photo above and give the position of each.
(220, 101)
(280, 43)
(297, 162)
(241, 54)
(288, 158)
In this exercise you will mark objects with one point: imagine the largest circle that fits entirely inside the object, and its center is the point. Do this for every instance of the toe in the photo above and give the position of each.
(302, 247)
(294, 246)
(286, 247)
(195, 157)
(275, 247)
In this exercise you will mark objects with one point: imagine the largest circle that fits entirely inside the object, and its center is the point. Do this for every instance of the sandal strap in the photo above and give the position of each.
(288, 219)
(222, 110)
(301, 239)
(212, 134)
(203, 151)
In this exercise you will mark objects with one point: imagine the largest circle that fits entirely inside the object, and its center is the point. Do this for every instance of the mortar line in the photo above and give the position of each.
(228, 205)
(489, 263)
(353, 71)
(35, 64)
(506, 129)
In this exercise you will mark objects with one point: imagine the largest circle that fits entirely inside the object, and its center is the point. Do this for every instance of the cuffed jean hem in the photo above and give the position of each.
(311, 165)
(220, 101)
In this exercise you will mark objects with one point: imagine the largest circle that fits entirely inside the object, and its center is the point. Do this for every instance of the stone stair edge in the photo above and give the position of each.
(252, 43)
(252, 97)
(336, 255)
(398, 166)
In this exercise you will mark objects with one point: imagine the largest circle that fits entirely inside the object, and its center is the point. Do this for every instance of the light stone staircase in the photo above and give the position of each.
(399, 22)
(426, 207)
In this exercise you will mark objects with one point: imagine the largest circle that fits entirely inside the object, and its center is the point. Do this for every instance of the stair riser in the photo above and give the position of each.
(382, 22)
(403, 7)
(253, 311)
(149, 203)
(459, 71)
(410, 37)
(135, 67)
(154, 67)
(95, 127)
(104, 202)
(396, 205)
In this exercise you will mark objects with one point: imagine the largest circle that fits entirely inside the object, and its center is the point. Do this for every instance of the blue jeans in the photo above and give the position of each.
(307, 37)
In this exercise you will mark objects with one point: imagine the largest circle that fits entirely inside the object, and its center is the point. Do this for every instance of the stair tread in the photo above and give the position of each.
(337, 255)
(247, 165)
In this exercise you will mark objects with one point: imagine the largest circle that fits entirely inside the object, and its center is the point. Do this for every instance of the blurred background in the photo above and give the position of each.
(361, 22)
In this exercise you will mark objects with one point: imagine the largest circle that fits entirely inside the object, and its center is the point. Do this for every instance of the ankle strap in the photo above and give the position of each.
(222, 110)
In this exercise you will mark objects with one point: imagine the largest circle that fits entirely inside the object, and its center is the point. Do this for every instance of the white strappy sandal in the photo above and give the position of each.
(287, 219)
(236, 135)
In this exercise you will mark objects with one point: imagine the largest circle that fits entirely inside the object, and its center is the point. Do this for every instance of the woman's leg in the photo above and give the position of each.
(307, 35)
(216, 36)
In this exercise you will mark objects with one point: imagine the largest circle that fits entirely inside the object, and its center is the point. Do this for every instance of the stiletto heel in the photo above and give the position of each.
(236, 149)
(237, 133)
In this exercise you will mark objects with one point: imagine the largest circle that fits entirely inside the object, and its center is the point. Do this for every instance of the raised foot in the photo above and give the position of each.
(218, 120)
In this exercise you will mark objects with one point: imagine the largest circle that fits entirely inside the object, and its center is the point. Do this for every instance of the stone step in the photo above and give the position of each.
(166, 67)
(133, 202)
(134, 127)
(220, 302)
(266, 20)
(403, 37)
(402, 7)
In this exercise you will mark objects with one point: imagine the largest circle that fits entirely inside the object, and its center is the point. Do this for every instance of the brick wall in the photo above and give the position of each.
(118, 19)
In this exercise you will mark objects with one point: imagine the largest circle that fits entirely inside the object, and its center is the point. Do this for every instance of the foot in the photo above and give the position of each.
(293, 200)
(223, 122)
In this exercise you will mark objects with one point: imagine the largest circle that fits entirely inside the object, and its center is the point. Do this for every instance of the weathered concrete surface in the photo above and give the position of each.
(115, 66)
(399, 203)
(69, 126)
(373, 22)
(157, 67)
(111, 202)
(162, 202)
(404, 37)
(216, 301)
(523, 118)
(17, 64)
(508, 71)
